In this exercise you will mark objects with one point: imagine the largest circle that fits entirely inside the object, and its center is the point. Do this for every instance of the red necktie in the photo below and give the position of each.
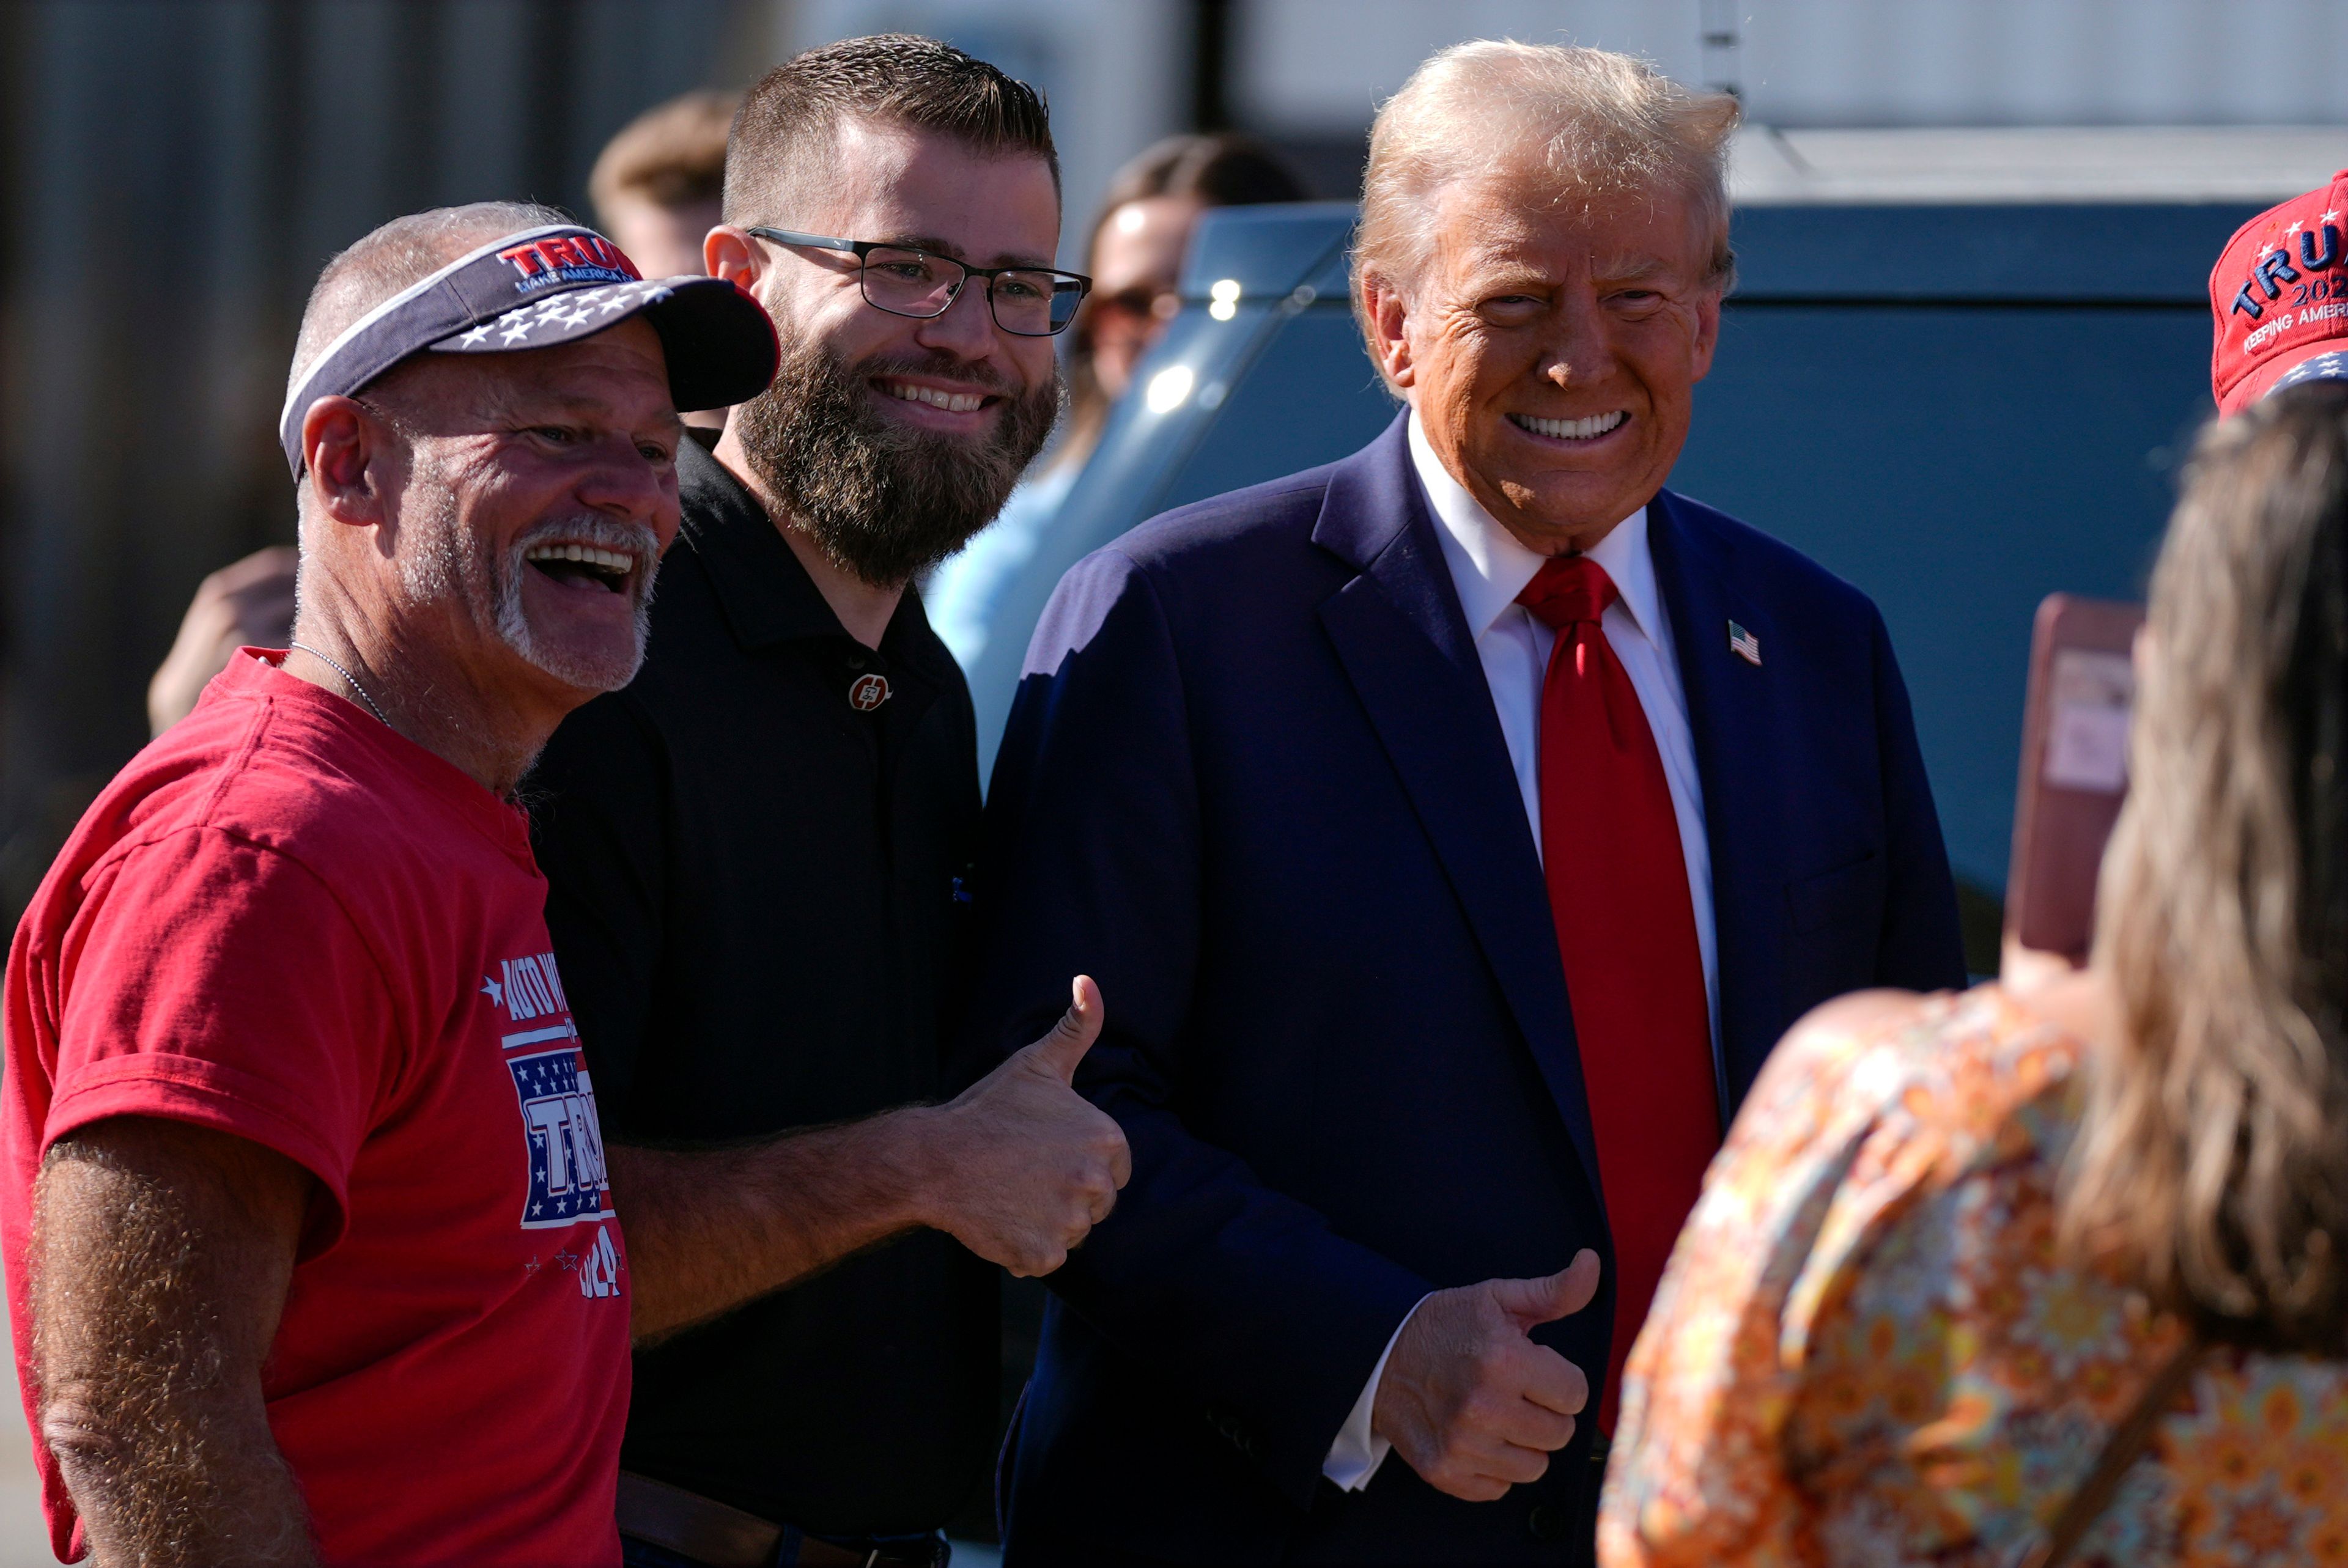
(1626, 930)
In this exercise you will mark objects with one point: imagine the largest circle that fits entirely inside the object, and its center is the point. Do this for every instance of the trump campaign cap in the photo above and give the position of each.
(2280, 294)
(537, 288)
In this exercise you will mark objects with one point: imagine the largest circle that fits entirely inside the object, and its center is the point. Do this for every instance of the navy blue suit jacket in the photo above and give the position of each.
(1253, 782)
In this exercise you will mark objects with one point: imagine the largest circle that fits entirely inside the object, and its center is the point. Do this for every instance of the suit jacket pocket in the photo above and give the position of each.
(1840, 895)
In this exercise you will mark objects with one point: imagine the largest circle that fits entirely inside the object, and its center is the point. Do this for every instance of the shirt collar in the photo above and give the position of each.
(1490, 566)
(766, 595)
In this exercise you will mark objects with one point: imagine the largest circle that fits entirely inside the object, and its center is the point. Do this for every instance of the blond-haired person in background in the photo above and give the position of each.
(657, 185)
(1954, 1243)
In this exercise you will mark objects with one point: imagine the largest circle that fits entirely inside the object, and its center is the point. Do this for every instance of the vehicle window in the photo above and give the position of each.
(1310, 397)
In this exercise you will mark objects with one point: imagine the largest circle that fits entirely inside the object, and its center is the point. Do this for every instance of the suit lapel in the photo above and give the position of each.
(1399, 631)
(1733, 714)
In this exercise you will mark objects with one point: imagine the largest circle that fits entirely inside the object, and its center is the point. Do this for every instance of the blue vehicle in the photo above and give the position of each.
(1959, 408)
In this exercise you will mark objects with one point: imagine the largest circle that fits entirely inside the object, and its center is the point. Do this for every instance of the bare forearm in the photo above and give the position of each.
(163, 1477)
(709, 1229)
(162, 1258)
(1018, 1168)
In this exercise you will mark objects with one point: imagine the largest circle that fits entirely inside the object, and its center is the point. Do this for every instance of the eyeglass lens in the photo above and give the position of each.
(910, 283)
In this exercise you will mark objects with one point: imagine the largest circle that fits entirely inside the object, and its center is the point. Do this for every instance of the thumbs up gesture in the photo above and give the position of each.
(1467, 1399)
(1023, 1166)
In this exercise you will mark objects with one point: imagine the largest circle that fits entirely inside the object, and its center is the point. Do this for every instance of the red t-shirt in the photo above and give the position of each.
(286, 922)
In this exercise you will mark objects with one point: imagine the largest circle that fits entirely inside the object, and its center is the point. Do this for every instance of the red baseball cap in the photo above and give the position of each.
(2280, 297)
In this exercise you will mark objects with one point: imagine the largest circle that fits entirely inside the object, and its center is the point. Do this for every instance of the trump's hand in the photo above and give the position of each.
(1467, 1399)
(1023, 1165)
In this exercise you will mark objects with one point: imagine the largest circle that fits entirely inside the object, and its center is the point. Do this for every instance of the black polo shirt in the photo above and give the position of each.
(757, 899)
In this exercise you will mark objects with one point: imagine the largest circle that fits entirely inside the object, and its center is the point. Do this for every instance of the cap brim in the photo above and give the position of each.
(721, 347)
(2263, 380)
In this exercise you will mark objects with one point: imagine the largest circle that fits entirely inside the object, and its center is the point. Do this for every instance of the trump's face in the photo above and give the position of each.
(1551, 349)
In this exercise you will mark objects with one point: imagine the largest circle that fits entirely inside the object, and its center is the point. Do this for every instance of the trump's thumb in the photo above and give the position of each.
(1553, 1296)
(1066, 1045)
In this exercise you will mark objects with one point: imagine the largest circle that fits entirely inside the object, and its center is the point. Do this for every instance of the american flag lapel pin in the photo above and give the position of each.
(1744, 644)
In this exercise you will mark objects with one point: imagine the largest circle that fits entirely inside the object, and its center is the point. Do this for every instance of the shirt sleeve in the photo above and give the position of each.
(1354, 1458)
(1716, 1381)
(209, 981)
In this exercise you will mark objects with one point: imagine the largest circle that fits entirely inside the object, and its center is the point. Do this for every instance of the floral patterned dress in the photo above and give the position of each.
(1867, 1352)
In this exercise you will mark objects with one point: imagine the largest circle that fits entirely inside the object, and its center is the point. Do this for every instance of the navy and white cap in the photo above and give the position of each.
(542, 287)
(2330, 366)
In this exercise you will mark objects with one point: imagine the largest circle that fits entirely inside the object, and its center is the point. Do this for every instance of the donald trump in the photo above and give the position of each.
(1458, 826)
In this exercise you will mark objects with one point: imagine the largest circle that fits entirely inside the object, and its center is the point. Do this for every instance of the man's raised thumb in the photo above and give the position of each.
(1074, 1035)
(1553, 1296)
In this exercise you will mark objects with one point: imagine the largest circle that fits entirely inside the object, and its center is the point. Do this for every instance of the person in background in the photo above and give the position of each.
(760, 851)
(309, 1237)
(1135, 255)
(1457, 826)
(655, 190)
(2061, 1272)
(248, 603)
(657, 186)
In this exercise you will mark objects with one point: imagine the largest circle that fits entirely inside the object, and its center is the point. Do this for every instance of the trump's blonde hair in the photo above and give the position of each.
(1603, 127)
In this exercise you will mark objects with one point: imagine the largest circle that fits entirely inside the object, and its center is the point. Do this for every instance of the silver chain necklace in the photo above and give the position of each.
(347, 676)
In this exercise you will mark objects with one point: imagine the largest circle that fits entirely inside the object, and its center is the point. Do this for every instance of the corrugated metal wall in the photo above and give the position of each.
(172, 174)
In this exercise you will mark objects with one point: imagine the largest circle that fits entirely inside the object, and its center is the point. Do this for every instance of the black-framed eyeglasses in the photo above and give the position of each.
(1027, 302)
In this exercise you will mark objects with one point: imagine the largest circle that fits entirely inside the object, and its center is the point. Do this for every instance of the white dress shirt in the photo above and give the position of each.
(1489, 567)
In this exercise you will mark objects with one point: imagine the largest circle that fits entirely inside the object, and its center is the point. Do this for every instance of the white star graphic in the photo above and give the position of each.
(490, 988)
(614, 301)
(2331, 217)
(516, 331)
(575, 318)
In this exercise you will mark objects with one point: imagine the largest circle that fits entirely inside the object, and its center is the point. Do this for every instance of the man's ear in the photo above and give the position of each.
(1389, 317)
(341, 451)
(1707, 332)
(728, 252)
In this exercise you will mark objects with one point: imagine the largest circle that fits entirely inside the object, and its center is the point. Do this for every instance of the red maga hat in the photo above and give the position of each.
(2280, 297)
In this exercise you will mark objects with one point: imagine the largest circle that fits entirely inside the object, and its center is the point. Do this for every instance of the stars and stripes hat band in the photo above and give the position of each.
(537, 288)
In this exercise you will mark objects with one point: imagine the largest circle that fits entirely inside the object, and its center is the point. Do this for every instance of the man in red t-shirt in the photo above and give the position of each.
(310, 1247)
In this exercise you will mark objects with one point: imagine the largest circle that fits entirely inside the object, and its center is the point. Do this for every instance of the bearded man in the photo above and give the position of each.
(758, 850)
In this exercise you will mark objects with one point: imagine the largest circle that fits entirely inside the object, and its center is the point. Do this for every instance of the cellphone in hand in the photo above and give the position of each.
(2075, 731)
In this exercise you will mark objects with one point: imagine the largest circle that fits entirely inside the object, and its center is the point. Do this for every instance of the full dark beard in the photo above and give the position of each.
(882, 500)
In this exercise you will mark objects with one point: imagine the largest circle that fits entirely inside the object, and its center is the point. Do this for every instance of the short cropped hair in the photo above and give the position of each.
(1605, 125)
(789, 119)
(383, 262)
(404, 251)
(673, 156)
